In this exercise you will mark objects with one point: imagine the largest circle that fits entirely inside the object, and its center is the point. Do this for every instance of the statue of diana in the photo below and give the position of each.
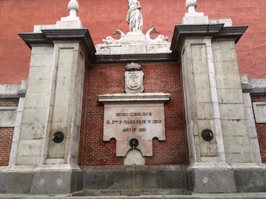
(134, 16)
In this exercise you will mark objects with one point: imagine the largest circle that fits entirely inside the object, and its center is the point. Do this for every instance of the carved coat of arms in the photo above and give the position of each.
(134, 78)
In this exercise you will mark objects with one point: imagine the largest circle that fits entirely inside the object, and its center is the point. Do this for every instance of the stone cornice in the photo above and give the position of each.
(125, 58)
(216, 31)
(134, 98)
(49, 36)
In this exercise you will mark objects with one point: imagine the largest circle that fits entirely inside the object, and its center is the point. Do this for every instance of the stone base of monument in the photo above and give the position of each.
(235, 179)
(41, 182)
(205, 180)
(135, 180)
(250, 179)
(57, 182)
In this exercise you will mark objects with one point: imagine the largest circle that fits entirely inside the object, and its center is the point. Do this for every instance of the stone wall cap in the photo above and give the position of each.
(9, 91)
(256, 87)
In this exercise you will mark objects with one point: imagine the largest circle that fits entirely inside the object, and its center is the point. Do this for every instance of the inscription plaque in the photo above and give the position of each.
(134, 120)
(134, 116)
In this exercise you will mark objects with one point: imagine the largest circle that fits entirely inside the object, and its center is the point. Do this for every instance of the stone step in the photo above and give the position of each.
(131, 192)
(194, 196)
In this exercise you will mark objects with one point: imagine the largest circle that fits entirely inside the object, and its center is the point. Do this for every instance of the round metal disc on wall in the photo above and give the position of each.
(207, 135)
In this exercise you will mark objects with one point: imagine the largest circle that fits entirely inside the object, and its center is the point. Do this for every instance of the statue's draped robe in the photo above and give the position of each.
(134, 17)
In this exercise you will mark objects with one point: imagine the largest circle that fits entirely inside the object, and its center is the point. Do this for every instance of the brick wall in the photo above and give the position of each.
(6, 134)
(9, 102)
(104, 79)
(102, 17)
(261, 130)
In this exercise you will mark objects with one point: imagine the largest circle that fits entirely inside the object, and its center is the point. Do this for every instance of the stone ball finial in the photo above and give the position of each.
(73, 7)
(191, 5)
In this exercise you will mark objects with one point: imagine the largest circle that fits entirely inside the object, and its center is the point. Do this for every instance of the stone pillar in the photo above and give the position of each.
(48, 140)
(214, 102)
(231, 104)
(203, 114)
(45, 146)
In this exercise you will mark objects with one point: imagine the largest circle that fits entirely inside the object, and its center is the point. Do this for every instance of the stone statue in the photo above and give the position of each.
(134, 16)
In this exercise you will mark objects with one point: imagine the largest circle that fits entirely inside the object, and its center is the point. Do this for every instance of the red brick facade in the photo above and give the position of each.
(6, 135)
(261, 131)
(158, 77)
(9, 102)
(102, 17)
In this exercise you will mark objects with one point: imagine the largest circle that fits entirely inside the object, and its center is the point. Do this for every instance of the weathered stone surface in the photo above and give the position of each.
(249, 180)
(2, 182)
(134, 157)
(211, 180)
(7, 116)
(9, 91)
(57, 182)
(226, 22)
(120, 180)
(19, 182)
(252, 131)
(146, 179)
